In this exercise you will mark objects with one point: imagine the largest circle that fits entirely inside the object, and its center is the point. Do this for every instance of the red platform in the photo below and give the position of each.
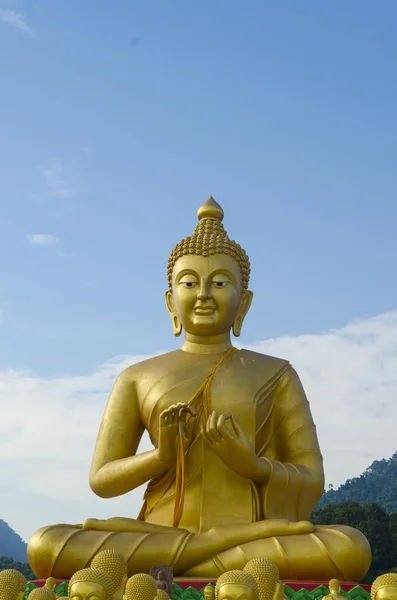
(200, 583)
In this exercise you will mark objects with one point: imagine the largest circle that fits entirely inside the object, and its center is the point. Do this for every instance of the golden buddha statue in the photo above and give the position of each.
(236, 468)
(384, 587)
(12, 585)
(267, 577)
(90, 583)
(42, 593)
(236, 585)
(51, 583)
(334, 591)
(209, 592)
(113, 564)
(141, 587)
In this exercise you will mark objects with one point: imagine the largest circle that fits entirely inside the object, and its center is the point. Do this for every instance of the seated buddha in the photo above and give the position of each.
(235, 470)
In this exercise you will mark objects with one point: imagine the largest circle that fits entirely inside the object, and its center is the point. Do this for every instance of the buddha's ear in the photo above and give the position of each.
(245, 303)
(176, 324)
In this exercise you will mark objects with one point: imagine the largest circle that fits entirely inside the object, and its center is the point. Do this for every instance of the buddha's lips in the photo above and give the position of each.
(204, 311)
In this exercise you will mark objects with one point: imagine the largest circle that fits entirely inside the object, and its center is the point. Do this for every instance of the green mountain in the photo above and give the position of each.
(11, 544)
(377, 485)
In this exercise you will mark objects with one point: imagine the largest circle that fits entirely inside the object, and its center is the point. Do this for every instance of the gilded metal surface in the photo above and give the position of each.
(42, 593)
(334, 590)
(141, 587)
(12, 585)
(236, 468)
(236, 585)
(89, 584)
(114, 565)
(209, 592)
(267, 577)
(384, 587)
(161, 595)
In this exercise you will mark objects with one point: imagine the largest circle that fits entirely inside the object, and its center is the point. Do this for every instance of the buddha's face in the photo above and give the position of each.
(87, 590)
(388, 592)
(207, 294)
(209, 593)
(236, 591)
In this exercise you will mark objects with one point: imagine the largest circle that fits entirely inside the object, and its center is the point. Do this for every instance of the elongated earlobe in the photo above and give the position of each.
(237, 325)
(244, 307)
(176, 324)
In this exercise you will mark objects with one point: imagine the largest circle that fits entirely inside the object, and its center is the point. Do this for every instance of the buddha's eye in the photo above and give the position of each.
(188, 283)
(220, 283)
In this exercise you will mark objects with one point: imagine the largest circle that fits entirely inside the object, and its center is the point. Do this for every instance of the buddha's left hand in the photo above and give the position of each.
(231, 445)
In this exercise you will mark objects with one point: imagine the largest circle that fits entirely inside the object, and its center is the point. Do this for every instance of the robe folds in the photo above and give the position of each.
(266, 396)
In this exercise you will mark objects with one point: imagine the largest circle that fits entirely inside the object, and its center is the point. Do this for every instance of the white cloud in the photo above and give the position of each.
(18, 21)
(42, 239)
(54, 180)
(48, 426)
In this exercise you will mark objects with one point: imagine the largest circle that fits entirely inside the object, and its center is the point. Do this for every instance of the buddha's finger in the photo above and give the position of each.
(204, 435)
(238, 430)
(221, 423)
(224, 431)
(164, 418)
(212, 430)
(175, 411)
(187, 409)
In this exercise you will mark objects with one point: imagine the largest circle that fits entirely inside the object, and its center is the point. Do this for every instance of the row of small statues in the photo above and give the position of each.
(107, 579)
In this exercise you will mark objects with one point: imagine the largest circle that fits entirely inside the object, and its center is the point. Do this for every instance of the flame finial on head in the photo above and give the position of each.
(210, 210)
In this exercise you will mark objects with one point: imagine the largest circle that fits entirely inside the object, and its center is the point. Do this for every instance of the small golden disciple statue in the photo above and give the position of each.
(12, 585)
(209, 592)
(141, 587)
(113, 564)
(92, 584)
(51, 583)
(42, 593)
(236, 585)
(384, 587)
(236, 468)
(334, 591)
(267, 577)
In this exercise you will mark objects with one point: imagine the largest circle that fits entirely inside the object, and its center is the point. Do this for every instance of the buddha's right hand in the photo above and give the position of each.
(170, 422)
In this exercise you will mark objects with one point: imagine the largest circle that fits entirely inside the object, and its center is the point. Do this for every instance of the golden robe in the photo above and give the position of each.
(227, 519)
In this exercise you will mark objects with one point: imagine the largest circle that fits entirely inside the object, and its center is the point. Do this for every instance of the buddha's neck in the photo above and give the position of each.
(216, 344)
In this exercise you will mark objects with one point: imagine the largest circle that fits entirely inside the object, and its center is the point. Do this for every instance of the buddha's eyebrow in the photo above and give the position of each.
(224, 272)
(186, 272)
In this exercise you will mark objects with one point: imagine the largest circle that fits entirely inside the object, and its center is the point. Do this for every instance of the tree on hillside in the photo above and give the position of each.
(379, 528)
(8, 563)
(378, 484)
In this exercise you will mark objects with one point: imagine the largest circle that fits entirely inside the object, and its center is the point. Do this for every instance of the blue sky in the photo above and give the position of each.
(284, 111)
(119, 119)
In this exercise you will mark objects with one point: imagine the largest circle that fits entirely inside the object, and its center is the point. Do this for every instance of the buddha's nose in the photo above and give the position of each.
(203, 291)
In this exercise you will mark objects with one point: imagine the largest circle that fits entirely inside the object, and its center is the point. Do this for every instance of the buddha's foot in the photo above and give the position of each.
(302, 552)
